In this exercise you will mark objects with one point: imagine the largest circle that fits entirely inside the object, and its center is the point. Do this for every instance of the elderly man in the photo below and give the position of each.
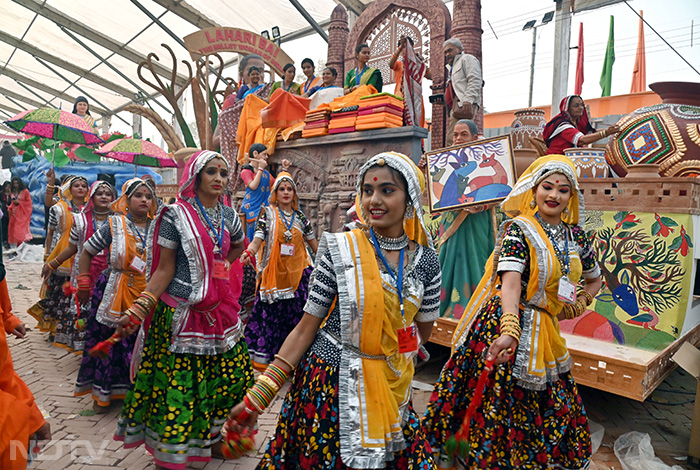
(463, 89)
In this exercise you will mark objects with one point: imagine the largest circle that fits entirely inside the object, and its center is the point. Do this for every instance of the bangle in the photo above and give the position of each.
(249, 402)
(84, 281)
(54, 264)
(395, 56)
(587, 296)
(285, 362)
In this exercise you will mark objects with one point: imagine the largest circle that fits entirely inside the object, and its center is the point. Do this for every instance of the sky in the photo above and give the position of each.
(507, 50)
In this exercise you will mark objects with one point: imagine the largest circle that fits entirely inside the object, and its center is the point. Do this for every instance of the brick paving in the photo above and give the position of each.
(85, 442)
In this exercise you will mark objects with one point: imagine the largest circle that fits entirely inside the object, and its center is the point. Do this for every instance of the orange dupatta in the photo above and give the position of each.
(280, 276)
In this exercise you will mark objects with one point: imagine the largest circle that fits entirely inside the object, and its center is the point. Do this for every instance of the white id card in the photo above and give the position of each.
(287, 249)
(138, 264)
(567, 290)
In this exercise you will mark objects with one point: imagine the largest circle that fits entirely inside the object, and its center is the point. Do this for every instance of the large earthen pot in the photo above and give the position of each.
(523, 158)
(589, 162)
(528, 122)
(666, 134)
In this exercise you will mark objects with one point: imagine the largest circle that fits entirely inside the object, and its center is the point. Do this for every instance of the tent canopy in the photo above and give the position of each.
(52, 51)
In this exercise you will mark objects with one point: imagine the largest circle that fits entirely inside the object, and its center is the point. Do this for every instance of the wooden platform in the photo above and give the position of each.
(623, 370)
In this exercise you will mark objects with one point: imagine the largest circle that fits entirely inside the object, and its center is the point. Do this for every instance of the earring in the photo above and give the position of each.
(565, 211)
(410, 212)
(533, 204)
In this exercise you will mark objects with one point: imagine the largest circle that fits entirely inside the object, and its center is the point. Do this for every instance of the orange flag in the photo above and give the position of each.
(579, 62)
(639, 73)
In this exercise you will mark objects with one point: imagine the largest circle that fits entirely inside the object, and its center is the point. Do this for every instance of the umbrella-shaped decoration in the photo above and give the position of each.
(54, 124)
(137, 151)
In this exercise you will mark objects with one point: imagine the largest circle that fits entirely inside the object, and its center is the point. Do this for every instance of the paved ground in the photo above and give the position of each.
(84, 442)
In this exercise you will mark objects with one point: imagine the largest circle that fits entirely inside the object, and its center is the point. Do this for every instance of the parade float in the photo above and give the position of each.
(646, 226)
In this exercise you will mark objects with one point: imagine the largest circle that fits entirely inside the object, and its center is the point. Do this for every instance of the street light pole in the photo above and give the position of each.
(532, 64)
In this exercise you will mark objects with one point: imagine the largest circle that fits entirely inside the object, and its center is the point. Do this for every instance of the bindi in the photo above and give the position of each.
(375, 178)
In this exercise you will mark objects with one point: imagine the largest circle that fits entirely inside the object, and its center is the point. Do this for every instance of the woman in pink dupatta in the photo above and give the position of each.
(20, 209)
(193, 362)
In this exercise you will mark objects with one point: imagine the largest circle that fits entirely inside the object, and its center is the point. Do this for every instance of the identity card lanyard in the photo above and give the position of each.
(288, 224)
(219, 234)
(567, 289)
(138, 232)
(408, 340)
(307, 85)
(357, 80)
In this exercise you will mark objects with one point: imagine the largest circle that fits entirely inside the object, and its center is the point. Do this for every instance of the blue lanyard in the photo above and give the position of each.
(308, 84)
(288, 88)
(219, 234)
(143, 240)
(399, 280)
(563, 257)
(94, 226)
(357, 81)
(287, 224)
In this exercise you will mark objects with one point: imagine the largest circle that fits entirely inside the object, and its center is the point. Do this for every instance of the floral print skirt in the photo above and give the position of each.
(270, 324)
(107, 379)
(179, 402)
(514, 427)
(307, 430)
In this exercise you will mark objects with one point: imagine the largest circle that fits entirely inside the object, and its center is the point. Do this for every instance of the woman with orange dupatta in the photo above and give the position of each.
(20, 213)
(349, 405)
(53, 312)
(531, 414)
(284, 268)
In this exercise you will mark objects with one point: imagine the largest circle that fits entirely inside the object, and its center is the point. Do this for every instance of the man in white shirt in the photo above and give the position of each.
(464, 83)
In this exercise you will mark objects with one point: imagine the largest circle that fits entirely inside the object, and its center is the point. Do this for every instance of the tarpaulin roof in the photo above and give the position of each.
(52, 51)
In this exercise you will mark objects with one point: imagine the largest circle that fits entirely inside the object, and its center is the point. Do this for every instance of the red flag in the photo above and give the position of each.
(579, 62)
(639, 73)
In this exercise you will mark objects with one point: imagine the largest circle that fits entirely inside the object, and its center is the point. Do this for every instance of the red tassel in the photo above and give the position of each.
(103, 348)
(68, 289)
(459, 443)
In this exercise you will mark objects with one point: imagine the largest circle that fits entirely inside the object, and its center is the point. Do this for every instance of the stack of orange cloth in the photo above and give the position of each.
(343, 121)
(316, 122)
(379, 111)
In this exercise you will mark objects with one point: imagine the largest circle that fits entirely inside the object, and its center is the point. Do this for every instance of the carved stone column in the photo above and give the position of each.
(337, 37)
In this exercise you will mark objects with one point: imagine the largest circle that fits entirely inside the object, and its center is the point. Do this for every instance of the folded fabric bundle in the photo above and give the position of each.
(388, 109)
(343, 122)
(376, 125)
(343, 115)
(317, 116)
(314, 132)
(380, 118)
(342, 130)
(284, 110)
(381, 99)
(316, 124)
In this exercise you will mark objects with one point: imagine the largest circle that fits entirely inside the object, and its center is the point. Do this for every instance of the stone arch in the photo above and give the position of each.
(440, 24)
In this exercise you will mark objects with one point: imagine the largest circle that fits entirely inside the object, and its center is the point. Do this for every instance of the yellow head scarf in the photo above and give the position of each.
(282, 177)
(65, 192)
(128, 189)
(413, 226)
(520, 198)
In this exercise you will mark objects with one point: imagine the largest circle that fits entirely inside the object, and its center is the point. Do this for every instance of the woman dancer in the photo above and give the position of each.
(194, 363)
(20, 213)
(85, 224)
(531, 415)
(349, 405)
(57, 317)
(284, 269)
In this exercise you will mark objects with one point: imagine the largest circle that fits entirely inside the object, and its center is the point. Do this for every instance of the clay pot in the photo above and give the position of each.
(589, 162)
(528, 122)
(643, 170)
(666, 134)
(523, 159)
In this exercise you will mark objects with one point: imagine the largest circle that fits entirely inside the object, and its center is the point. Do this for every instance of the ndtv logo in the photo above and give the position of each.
(54, 450)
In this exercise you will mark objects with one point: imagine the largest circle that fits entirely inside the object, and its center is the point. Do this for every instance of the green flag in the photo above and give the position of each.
(606, 75)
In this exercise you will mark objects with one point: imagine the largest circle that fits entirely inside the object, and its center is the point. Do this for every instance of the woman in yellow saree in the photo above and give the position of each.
(531, 415)
(349, 405)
